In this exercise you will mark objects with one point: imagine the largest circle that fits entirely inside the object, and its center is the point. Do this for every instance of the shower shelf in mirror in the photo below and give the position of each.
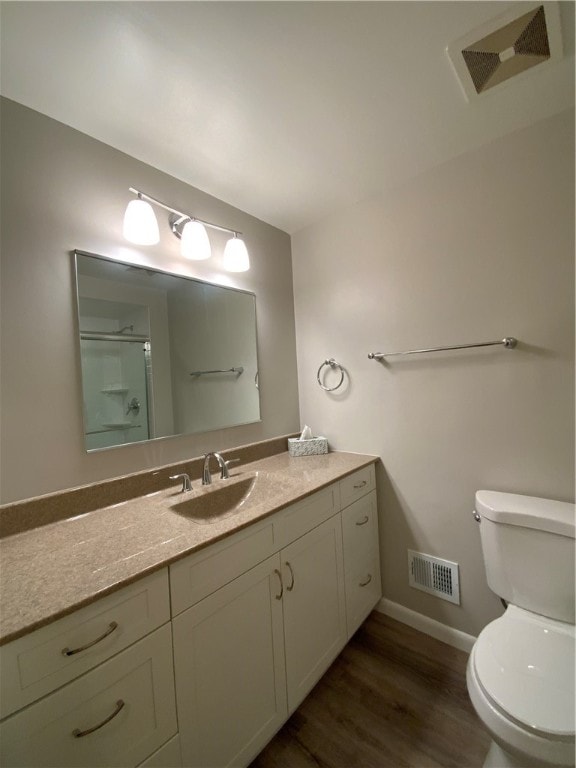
(114, 390)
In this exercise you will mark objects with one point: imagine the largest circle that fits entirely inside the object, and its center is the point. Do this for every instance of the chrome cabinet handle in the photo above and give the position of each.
(277, 572)
(361, 485)
(365, 583)
(78, 734)
(72, 651)
(291, 587)
(363, 522)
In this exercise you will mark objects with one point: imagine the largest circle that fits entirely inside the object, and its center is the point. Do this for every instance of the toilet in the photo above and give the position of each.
(520, 672)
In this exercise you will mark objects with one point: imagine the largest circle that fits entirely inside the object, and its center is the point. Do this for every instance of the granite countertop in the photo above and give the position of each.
(50, 571)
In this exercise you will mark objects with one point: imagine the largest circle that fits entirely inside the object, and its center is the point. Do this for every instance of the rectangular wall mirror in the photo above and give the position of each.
(162, 354)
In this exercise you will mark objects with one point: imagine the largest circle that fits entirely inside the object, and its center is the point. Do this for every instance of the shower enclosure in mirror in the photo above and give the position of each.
(162, 354)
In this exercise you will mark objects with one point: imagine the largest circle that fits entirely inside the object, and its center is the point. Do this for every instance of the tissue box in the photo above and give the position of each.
(311, 447)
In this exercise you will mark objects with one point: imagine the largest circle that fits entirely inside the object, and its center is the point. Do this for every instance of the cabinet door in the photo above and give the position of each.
(361, 560)
(230, 676)
(314, 607)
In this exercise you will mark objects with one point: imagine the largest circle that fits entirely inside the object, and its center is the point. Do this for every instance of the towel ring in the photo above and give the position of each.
(333, 364)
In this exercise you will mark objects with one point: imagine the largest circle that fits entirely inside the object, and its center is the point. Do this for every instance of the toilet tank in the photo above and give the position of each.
(528, 548)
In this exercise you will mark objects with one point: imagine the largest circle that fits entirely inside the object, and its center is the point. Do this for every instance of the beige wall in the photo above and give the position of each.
(63, 190)
(481, 248)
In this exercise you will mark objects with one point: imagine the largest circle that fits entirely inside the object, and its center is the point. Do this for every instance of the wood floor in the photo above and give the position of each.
(394, 697)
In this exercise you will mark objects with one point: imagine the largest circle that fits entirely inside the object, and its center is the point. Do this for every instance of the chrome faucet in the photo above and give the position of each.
(224, 474)
(186, 484)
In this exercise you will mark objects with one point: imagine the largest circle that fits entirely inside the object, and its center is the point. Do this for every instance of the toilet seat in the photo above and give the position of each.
(525, 665)
(520, 679)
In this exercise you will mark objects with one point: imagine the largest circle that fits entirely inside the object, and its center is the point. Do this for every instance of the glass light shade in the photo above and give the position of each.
(236, 257)
(194, 243)
(140, 224)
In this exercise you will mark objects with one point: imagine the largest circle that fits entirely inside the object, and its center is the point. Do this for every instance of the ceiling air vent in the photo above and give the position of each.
(507, 46)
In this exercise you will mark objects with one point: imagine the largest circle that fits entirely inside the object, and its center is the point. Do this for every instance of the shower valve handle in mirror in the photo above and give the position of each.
(133, 405)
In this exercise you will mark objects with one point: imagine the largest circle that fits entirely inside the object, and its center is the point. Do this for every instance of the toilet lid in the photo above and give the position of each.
(525, 663)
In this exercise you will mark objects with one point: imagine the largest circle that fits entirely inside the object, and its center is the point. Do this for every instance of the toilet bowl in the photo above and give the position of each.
(520, 673)
(520, 679)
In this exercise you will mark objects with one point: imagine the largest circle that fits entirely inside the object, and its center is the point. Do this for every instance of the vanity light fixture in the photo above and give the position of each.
(235, 255)
(140, 224)
(194, 242)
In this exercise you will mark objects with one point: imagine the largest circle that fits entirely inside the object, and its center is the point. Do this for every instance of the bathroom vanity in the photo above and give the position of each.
(209, 633)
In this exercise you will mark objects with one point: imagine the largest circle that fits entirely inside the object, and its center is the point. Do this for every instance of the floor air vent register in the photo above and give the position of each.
(434, 575)
(508, 46)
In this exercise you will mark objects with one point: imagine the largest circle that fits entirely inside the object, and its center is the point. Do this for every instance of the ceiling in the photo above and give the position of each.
(289, 111)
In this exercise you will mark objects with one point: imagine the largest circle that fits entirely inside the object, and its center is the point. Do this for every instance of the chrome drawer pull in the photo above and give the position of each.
(291, 587)
(77, 733)
(363, 522)
(71, 652)
(365, 583)
(361, 485)
(279, 597)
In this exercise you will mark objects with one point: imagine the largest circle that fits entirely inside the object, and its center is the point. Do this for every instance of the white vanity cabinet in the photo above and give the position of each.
(107, 671)
(247, 654)
(198, 664)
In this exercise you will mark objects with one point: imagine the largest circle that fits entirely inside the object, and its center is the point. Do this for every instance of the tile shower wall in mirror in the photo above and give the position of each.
(161, 354)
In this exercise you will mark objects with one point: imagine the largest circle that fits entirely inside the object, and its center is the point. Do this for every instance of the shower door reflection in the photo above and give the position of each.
(116, 389)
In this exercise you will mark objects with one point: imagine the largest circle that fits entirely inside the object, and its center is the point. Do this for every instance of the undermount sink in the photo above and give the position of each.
(213, 503)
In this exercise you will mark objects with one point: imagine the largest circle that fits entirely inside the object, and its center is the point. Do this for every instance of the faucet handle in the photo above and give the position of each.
(224, 473)
(186, 484)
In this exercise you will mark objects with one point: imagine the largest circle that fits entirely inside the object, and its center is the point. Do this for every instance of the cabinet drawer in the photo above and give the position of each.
(361, 560)
(363, 591)
(301, 517)
(197, 576)
(360, 529)
(357, 485)
(117, 714)
(42, 661)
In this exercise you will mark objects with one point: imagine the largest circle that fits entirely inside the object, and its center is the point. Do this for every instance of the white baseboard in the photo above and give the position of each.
(443, 632)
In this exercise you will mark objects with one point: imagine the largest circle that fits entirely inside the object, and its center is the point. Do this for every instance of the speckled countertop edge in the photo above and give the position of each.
(51, 571)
